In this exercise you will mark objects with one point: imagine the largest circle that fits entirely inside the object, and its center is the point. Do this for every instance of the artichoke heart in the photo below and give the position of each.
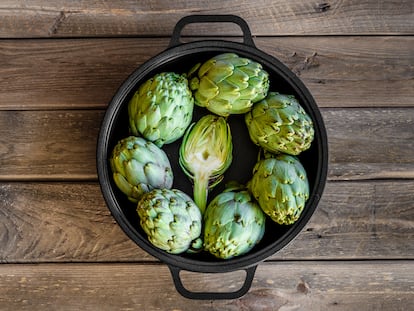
(139, 166)
(162, 108)
(205, 154)
(228, 84)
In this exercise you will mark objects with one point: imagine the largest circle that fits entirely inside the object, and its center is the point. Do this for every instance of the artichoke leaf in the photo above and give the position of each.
(208, 88)
(219, 72)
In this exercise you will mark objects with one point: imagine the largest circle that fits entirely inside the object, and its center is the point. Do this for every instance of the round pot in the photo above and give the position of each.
(180, 57)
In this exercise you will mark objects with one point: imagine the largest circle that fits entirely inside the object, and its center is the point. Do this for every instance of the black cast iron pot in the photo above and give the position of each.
(180, 57)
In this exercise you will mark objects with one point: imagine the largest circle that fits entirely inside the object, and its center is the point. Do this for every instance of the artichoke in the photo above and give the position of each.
(205, 154)
(170, 219)
(228, 84)
(278, 123)
(162, 108)
(281, 187)
(233, 224)
(138, 166)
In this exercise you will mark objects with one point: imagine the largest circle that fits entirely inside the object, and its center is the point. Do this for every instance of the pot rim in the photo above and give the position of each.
(177, 52)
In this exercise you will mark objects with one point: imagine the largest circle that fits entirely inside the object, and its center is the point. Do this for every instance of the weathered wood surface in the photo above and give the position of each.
(363, 143)
(339, 71)
(277, 286)
(62, 61)
(60, 222)
(63, 18)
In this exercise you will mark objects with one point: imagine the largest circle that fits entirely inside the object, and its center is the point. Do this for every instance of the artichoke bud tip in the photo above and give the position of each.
(194, 84)
(196, 246)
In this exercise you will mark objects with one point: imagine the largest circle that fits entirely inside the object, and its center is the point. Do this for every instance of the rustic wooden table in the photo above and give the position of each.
(61, 62)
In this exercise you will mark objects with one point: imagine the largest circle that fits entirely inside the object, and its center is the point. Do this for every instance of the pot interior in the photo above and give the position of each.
(244, 152)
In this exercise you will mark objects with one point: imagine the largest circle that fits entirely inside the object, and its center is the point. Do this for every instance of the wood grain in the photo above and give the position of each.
(61, 222)
(61, 145)
(277, 286)
(339, 71)
(65, 18)
(53, 144)
(62, 61)
(364, 143)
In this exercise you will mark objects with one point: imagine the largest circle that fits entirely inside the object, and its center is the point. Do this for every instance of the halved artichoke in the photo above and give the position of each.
(205, 154)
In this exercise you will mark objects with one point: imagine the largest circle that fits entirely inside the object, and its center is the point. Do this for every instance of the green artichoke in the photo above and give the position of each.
(162, 108)
(280, 185)
(278, 123)
(205, 154)
(228, 84)
(233, 224)
(170, 219)
(138, 166)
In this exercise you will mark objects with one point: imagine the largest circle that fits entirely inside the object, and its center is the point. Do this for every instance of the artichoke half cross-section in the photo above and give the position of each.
(205, 154)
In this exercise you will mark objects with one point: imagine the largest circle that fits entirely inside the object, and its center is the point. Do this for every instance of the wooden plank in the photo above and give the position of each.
(61, 222)
(65, 18)
(54, 144)
(277, 286)
(81, 73)
(61, 145)
(363, 143)
(339, 71)
(350, 72)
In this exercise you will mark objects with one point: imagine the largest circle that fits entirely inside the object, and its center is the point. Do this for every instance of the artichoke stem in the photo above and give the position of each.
(200, 192)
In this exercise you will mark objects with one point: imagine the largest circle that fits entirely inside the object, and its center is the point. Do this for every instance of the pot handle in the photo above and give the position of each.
(175, 273)
(190, 19)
